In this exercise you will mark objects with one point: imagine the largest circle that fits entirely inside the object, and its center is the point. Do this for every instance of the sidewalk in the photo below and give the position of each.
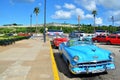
(26, 60)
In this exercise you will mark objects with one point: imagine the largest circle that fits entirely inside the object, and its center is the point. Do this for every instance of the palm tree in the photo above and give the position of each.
(94, 12)
(36, 11)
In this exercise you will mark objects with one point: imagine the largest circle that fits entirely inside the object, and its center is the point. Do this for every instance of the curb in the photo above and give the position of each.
(54, 67)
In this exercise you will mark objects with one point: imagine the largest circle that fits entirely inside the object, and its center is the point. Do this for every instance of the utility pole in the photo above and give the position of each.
(79, 21)
(44, 32)
(31, 20)
(112, 18)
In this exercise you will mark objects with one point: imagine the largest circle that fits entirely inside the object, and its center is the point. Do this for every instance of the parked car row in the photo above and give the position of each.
(24, 34)
(82, 56)
(59, 38)
(101, 32)
(108, 39)
(75, 34)
(54, 32)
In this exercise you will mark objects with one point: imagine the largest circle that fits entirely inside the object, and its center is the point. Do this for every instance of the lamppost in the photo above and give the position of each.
(44, 32)
(79, 21)
(112, 18)
(31, 20)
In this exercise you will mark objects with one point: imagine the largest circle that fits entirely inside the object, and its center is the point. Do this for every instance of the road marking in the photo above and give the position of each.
(54, 67)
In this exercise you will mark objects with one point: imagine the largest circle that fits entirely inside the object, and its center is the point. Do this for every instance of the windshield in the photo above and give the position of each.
(84, 41)
(59, 36)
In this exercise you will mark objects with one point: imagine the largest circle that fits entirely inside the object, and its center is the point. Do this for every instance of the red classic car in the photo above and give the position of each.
(58, 39)
(113, 39)
(99, 38)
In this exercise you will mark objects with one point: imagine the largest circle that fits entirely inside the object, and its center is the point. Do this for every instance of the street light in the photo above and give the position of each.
(112, 18)
(31, 20)
(79, 21)
(44, 32)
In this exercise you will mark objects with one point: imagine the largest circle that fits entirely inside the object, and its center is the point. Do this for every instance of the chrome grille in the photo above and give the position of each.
(92, 63)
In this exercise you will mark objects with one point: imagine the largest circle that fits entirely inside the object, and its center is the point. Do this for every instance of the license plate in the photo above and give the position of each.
(98, 71)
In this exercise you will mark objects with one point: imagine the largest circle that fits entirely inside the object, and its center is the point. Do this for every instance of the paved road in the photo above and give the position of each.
(111, 75)
(26, 60)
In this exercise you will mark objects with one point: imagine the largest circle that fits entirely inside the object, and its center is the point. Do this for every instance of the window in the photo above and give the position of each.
(118, 37)
(112, 36)
(103, 36)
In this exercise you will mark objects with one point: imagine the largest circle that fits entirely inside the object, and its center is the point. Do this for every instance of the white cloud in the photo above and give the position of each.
(115, 14)
(69, 6)
(57, 6)
(89, 16)
(91, 4)
(80, 12)
(60, 14)
(77, 12)
(98, 21)
(117, 23)
(111, 4)
(87, 4)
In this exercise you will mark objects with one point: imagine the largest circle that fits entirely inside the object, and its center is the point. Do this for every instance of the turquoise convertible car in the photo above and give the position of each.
(82, 56)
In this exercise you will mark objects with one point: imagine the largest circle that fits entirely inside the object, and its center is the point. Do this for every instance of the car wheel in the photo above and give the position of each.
(55, 47)
(60, 52)
(108, 43)
(105, 72)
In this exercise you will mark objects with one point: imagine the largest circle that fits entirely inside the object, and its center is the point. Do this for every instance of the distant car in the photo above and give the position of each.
(9, 34)
(82, 56)
(76, 34)
(54, 32)
(58, 39)
(101, 32)
(113, 39)
(99, 38)
(117, 32)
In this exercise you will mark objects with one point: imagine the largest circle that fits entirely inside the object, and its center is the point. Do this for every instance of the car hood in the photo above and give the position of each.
(63, 39)
(89, 53)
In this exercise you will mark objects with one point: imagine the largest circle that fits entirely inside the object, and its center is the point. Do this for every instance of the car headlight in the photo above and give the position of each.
(112, 55)
(75, 58)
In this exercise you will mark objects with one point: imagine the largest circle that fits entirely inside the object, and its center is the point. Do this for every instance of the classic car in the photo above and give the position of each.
(99, 38)
(58, 39)
(101, 32)
(113, 39)
(54, 32)
(82, 56)
(75, 34)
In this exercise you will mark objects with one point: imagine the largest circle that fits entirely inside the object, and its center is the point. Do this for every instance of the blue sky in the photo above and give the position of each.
(60, 11)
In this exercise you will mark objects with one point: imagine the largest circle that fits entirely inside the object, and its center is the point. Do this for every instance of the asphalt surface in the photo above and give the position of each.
(26, 60)
(110, 75)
